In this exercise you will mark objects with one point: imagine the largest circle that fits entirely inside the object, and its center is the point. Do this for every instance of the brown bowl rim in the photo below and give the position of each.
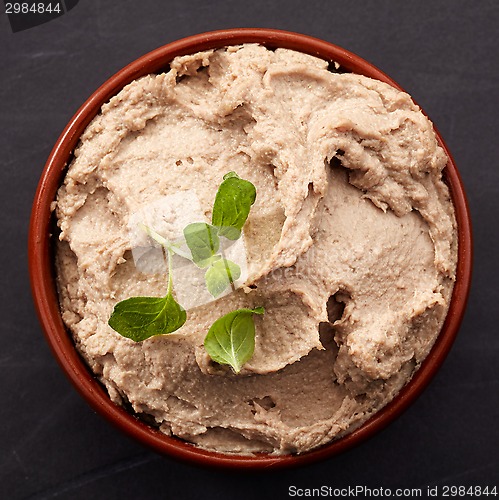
(43, 282)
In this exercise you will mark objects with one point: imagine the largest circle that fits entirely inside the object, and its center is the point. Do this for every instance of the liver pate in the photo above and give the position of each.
(351, 245)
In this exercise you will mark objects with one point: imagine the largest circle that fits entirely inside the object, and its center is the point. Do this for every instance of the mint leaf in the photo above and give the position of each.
(139, 318)
(232, 205)
(220, 275)
(203, 242)
(231, 339)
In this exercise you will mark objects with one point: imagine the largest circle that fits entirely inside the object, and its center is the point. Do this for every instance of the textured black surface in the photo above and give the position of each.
(443, 52)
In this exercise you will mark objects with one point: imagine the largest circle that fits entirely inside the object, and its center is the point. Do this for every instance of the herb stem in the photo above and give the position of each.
(170, 272)
(154, 235)
(163, 241)
(175, 249)
(229, 274)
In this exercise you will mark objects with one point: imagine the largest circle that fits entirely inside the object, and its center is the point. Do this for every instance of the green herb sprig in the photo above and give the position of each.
(231, 339)
(231, 208)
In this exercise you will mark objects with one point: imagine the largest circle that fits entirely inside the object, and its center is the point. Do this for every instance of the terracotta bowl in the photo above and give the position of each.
(43, 274)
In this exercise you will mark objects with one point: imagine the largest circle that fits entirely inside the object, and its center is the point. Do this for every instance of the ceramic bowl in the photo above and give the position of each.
(43, 274)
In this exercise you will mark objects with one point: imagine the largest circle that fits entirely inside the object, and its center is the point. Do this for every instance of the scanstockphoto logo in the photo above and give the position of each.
(28, 14)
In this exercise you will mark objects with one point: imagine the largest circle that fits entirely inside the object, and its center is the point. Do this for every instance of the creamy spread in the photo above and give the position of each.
(351, 245)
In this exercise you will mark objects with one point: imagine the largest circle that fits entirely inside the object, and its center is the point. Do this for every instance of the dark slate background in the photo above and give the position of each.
(443, 52)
